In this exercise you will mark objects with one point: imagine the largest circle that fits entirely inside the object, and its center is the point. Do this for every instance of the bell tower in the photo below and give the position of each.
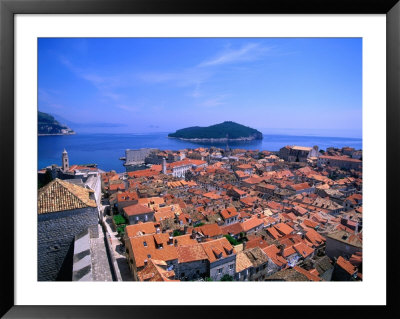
(65, 161)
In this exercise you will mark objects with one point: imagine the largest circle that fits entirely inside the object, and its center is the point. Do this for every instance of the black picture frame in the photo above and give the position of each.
(8, 8)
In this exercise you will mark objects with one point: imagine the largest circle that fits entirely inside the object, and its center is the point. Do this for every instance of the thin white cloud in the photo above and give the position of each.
(182, 78)
(99, 81)
(248, 52)
(216, 101)
(196, 93)
(106, 85)
(112, 95)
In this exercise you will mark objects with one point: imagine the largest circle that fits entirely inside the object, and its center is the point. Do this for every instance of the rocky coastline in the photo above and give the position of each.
(224, 139)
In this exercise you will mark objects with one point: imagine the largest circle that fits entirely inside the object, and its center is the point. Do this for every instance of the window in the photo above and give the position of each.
(144, 244)
(231, 266)
(148, 256)
(220, 270)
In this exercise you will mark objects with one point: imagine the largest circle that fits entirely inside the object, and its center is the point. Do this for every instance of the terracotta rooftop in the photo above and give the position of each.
(283, 228)
(60, 195)
(191, 253)
(210, 230)
(251, 223)
(140, 229)
(137, 209)
(242, 262)
(273, 253)
(218, 246)
(346, 265)
(155, 270)
(229, 212)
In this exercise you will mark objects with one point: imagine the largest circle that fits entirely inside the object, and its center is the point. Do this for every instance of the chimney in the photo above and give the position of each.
(185, 229)
(145, 262)
(157, 230)
(175, 242)
(244, 244)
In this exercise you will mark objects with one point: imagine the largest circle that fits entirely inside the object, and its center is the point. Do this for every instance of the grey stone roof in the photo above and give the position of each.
(256, 256)
(287, 275)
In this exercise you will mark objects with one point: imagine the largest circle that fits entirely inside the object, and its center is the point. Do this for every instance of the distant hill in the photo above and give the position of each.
(47, 125)
(224, 131)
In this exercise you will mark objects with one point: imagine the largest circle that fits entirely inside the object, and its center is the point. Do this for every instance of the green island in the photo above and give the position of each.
(48, 125)
(226, 131)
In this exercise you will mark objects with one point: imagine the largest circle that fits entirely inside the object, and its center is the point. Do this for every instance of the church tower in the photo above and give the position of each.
(65, 161)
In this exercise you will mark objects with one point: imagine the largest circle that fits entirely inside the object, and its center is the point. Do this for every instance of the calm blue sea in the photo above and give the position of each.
(106, 149)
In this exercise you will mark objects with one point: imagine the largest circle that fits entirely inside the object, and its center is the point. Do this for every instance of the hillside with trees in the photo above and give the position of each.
(48, 125)
(224, 131)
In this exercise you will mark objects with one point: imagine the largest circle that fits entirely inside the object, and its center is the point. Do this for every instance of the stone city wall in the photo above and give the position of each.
(56, 233)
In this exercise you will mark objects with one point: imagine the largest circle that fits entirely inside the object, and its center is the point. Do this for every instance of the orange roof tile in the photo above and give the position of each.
(283, 228)
(191, 253)
(229, 212)
(137, 209)
(210, 230)
(60, 195)
(218, 246)
(311, 276)
(140, 229)
(346, 265)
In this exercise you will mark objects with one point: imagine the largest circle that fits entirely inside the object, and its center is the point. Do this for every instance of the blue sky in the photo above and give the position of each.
(299, 86)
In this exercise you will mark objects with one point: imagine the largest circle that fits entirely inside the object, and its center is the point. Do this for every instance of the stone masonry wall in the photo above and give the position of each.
(56, 233)
(227, 266)
(192, 270)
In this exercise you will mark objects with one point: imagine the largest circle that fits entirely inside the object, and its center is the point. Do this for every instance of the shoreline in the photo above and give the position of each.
(56, 134)
(222, 139)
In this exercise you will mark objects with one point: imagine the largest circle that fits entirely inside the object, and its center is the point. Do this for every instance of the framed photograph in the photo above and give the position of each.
(198, 143)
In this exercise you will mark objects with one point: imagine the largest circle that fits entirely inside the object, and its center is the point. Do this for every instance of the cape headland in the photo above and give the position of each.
(47, 125)
(226, 131)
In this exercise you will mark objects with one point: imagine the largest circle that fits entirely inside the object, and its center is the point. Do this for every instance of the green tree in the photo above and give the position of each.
(119, 220)
(231, 240)
(227, 277)
(176, 233)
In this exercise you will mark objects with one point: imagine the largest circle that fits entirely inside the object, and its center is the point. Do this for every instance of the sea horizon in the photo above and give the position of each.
(106, 149)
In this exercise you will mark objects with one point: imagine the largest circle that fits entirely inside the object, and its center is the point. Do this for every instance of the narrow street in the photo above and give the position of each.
(121, 266)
